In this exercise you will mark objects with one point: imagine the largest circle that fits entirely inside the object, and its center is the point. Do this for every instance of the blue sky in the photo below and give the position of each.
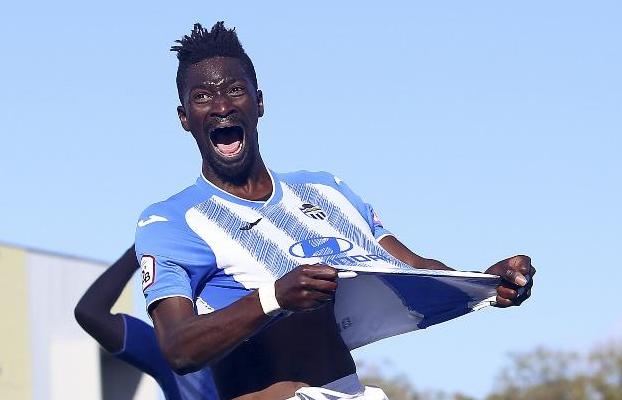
(478, 130)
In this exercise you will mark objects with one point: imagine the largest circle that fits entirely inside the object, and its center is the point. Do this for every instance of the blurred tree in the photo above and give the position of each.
(606, 379)
(556, 375)
(398, 387)
(538, 375)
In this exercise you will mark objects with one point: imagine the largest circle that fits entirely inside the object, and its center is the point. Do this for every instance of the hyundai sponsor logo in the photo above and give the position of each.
(357, 259)
(320, 247)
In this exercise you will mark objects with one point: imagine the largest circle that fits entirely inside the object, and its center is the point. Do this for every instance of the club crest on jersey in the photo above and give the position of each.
(313, 211)
(147, 270)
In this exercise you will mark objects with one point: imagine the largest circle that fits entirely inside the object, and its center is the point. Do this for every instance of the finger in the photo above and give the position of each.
(522, 290)
(346, 274)
(529, 284)
(321, 285)
(503, 302)
(319, 296)
(522, 297)
(324, 297)
(515, 277)
(521, 264)
(506, 292)
(321, 271)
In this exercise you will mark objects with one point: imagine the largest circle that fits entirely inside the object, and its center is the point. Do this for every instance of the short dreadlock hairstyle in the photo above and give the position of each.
(203, 44)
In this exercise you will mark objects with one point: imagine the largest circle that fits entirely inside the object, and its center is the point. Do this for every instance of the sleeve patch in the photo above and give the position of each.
(147, 269)
(376, 219)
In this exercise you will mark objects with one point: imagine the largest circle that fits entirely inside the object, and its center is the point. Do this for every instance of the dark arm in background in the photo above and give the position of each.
(93, 310)
(514, 271)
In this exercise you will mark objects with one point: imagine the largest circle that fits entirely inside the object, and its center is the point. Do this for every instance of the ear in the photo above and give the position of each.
(260, 102)
(183, 118)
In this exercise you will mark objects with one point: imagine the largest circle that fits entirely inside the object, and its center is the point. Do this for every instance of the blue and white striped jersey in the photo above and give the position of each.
(213, 248)
(206, 243)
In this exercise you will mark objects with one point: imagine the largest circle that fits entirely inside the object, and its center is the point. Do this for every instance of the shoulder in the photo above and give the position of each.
(323, 178)
(172, 209)
(162, 226)
(310, 177)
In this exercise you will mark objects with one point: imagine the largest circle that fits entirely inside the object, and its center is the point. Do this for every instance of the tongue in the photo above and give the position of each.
(228, 148)
(227, 140)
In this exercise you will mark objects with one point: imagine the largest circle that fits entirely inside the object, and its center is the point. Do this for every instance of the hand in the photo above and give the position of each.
(306, 287)
(517, 274)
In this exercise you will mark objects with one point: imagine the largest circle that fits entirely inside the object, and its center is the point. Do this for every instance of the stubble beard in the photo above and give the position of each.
(238, 171)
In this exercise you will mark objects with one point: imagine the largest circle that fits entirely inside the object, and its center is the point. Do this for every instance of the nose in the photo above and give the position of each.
(222, 107)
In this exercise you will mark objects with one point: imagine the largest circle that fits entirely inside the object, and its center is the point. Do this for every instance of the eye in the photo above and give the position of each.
(237, 91)
(201, 97)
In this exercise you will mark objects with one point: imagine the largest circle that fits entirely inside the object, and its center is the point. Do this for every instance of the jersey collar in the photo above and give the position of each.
(277, 192)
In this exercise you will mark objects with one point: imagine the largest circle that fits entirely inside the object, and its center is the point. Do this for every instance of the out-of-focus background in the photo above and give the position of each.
(478, 130)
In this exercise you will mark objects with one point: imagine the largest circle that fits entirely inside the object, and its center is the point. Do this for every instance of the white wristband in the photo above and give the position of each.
(267, 298)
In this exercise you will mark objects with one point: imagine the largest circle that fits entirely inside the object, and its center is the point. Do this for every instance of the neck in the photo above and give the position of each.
(256, 185)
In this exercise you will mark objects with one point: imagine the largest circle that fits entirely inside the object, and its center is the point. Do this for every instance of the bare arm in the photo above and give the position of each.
(190, 341)
(513, 271)
(93, 310)
(404, 254)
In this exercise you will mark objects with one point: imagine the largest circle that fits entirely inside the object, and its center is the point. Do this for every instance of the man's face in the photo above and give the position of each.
(221, 107)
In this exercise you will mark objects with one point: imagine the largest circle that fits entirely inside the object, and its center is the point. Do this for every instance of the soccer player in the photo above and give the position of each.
(130, 339)
(255, 251)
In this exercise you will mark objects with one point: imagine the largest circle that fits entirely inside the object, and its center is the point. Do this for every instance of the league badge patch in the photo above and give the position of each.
(147, 269)
(312, 211)
(376, 219)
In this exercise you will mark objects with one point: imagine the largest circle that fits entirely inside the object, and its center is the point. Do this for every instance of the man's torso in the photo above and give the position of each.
(223, 247)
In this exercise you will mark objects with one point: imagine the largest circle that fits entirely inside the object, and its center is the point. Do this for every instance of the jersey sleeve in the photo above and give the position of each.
(168, 254)
(365, 209)
(141, 350)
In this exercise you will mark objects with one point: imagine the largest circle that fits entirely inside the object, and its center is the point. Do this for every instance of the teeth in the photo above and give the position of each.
(227, 146)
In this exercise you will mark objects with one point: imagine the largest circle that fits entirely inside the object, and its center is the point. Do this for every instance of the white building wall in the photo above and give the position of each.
(66, 361)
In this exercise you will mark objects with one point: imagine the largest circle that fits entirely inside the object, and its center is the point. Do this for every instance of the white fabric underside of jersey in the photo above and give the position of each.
(366, 310)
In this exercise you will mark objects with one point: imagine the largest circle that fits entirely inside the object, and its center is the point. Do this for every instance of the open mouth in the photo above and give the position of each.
(228, 141)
